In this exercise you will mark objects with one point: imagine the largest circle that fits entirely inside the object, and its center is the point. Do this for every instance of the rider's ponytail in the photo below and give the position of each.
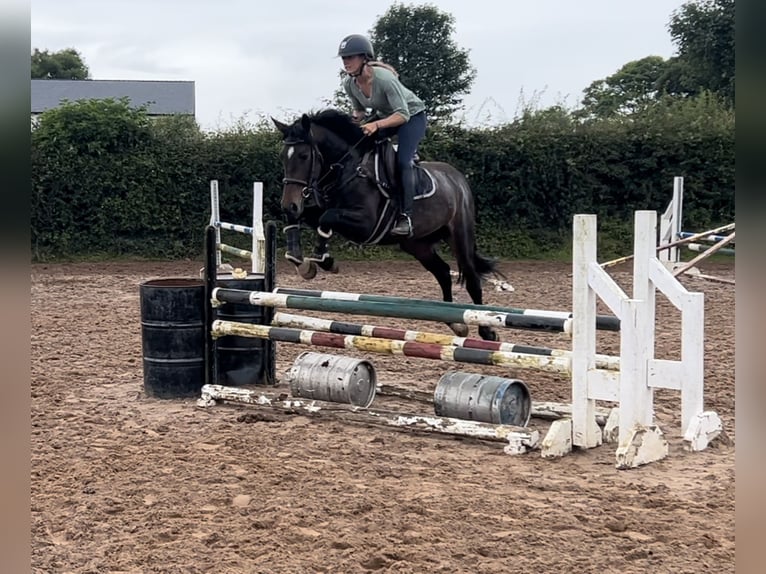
(380, 64)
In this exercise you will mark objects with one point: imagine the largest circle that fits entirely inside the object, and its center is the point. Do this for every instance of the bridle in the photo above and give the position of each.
(311, 187)
(312, 192)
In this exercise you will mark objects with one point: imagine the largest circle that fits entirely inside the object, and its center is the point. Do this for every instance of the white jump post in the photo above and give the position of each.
(259, 236)
(215, 219)
(670, 224)
(258, 253)
(686, 375)
(640, 441)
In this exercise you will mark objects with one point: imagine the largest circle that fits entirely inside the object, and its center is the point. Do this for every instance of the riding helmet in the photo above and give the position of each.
(356, 44)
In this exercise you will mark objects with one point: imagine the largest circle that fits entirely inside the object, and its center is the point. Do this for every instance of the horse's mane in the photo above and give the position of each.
(340, 123)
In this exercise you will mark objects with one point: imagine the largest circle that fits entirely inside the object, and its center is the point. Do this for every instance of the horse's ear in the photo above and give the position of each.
(280, 126)
(306, 123)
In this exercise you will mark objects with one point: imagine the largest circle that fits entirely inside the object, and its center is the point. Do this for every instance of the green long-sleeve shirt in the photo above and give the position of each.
(388, 95)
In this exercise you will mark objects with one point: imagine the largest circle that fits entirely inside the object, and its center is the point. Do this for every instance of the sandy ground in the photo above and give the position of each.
(125, 483)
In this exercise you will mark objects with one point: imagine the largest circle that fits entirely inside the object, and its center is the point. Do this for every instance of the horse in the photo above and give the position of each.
(336, 179)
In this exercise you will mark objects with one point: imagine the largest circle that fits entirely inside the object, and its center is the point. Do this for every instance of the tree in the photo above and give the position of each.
(417, 41)
(628, 90)
(703, 31)
(66, 64)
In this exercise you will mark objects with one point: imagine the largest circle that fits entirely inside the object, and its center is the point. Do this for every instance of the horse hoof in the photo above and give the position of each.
(307, 270)
(329, 265)
(488, 334)
(459, 329)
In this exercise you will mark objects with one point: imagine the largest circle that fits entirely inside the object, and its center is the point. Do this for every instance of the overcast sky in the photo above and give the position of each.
(250, 58)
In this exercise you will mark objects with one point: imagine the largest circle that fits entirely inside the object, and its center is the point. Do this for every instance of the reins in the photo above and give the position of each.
(313, 187)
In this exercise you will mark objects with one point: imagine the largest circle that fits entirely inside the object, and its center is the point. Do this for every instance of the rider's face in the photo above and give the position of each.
(352, 64)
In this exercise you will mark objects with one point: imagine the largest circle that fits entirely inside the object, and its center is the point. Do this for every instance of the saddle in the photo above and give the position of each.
(382, 160)
(386, 171)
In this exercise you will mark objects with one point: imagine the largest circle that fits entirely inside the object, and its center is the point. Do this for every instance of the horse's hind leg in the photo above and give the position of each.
(473, 286)
(434, 264)
(472, 267)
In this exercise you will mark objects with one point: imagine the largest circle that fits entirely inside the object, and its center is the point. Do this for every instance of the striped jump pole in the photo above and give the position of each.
(395, 310)
(673, 244)
(344, 328)
(708, 238)
(705, 254)
(603, 322)
(235, 227)
(236, 251)
(433, 351)
(700, 248)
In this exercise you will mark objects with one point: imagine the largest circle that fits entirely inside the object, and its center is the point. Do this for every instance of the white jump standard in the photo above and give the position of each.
(640, 440)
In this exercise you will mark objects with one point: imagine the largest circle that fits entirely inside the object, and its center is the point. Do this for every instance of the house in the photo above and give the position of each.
(163, 97)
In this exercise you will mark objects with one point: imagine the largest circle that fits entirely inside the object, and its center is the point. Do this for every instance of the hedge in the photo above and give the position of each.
(109, 181)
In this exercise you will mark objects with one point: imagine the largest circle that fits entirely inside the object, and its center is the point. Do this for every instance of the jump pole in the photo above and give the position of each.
(688, 239)
(395, 310)
(550, 364)
(699, 248)
(344, 328)
(518, 440)
(711, 238)
(704, 255)
(603, 322)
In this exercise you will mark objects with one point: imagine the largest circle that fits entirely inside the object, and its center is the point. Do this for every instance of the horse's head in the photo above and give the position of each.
(302, 163)
(312, 145)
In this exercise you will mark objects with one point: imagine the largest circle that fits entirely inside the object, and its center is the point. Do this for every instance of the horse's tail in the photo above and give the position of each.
(469, 260)
(484, 265)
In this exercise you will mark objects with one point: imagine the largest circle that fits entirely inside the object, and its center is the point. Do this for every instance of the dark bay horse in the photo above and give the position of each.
(337, 180)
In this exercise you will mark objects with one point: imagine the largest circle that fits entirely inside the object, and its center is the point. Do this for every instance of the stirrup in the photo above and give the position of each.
(398, 228)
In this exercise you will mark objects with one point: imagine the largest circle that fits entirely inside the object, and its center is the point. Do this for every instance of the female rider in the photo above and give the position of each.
(375, 85)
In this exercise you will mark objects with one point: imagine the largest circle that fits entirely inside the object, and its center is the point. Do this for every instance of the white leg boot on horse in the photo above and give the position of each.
(321, 255)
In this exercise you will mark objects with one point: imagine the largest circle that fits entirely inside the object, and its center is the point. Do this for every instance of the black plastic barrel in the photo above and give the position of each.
(173, 336)
(482, 398)
(242, 360)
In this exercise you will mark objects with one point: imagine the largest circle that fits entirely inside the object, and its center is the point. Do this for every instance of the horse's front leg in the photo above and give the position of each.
(354, 223)
(294, 252)
(321, 255)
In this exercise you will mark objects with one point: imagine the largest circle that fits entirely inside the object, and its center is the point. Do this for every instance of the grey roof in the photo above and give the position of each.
(163, 97)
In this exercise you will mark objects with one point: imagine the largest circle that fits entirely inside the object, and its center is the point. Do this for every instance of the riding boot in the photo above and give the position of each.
(403, 224)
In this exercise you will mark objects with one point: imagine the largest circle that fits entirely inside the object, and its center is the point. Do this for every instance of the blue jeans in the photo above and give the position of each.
(409, 134)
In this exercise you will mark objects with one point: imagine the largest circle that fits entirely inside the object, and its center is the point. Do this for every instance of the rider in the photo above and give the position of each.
(375, 85)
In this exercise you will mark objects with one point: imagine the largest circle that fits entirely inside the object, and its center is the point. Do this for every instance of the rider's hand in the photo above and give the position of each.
(370, 128)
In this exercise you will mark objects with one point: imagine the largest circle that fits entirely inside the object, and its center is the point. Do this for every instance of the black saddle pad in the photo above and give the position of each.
(425, 185)
(385, 171)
